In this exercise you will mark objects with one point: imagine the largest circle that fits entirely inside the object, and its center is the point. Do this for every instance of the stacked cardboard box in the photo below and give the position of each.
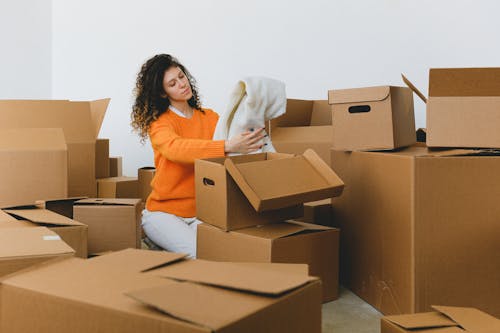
(247, 198)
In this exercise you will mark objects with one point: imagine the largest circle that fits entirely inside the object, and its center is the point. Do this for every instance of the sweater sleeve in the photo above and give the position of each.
(175, 148)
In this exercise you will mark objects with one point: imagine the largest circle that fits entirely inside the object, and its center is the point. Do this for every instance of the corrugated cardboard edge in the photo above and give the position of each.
(471, 319)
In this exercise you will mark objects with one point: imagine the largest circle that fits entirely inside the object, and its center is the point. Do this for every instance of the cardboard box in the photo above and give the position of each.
(33, 165)
(145, 177)
(114, 224)
(263, 188)
(419, 227)
(118, 187)
(306, 124)
(102, 167)
(446, 319)
(318, 212)
(72, 232)
(62, 207)
(24, 247)
(128, 293)
(286, 242)
(374, 118)
(115, 166)
(80, 122)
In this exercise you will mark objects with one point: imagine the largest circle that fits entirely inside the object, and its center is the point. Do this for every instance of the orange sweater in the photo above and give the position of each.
(177, 142)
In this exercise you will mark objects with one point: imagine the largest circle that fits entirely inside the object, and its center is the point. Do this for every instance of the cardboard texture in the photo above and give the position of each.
(118, 187)
(374, 118)
(33, 165)
(72, 232)
(24, 247)
(121, 297)
(114, 224)
(318, 212)
(445, 319)
(80, 122)
(306, 124)
(270, 183)
(286, 242)
(418, 226)
(115, 166)
(145, 177)
(220, 202)
(60, 206)
(102, 167)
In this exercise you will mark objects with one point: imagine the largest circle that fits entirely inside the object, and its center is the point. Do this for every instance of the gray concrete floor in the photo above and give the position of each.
(350, 314)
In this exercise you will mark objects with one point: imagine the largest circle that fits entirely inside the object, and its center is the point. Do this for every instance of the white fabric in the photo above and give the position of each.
(177, 111)
(171, 232)
(261, 99)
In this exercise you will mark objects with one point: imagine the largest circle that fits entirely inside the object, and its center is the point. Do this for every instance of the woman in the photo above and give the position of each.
(167, 108)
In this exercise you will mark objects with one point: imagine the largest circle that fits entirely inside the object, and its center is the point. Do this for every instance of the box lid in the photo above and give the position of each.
(277, 183)
(107, 202)
(43, 216)
(464, 82)
(32, 139)
(280, 230)
(4, 217)
(358, 95)
(22, 242)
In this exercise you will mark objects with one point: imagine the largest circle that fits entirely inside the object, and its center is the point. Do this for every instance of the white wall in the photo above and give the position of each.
(25, 49)
(313, 46)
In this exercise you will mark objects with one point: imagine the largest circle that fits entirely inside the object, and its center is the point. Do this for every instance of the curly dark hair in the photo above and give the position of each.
(150, 100)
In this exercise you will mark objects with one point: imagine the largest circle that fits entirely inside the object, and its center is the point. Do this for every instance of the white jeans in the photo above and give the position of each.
(171, 232)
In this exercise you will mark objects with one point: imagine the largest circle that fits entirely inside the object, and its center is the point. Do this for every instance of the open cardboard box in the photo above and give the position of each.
(157, 291)
(446, 319)
(80, 122)
(463, 107)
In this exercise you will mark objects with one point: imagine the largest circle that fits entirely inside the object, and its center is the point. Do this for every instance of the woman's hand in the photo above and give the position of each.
(245, 142)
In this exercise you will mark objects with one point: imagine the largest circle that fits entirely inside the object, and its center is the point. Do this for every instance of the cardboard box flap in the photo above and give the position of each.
(358, 95)
(32, 139)
(97, 111)
(281, 230)
(280, 183)
(302, 134)
(43, 216)
(464, 82)
(4, 217)
(107, 201)
(135, 260)
(421, 320)
(472, 320)
(298, 113)
(230, 276)
(20, 242)
(73, 117)
(410, 85)
(188, 301)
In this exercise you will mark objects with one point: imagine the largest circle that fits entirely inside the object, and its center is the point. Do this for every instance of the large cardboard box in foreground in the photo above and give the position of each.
(80, 122)
(72, 232)
(306, 124)
(247, 190)
(33, 165)
(446, 319)
(372, 118)
(420, 227)
(126, 292)
(114, 224)
(286, 242)
(24, 247)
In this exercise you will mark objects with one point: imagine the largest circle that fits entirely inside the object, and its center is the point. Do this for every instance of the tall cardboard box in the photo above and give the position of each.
(318, 212)
(115, 166)
(420, 227)
(114, 224)
(25, 247)
(127, 293)
(33, 165)
(80, 122)
(72, 232)
(374, 118)
(445, 319)
(102, 167)
(286, 242)
(463, 108)
(306, 124)
(118, 187)
(247, 190)
(145, 177)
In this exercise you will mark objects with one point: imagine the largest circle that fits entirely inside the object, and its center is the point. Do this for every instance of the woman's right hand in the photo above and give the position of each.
(245, 142)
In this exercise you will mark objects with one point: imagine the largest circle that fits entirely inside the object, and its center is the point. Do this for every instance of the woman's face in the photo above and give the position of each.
(176, 85)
